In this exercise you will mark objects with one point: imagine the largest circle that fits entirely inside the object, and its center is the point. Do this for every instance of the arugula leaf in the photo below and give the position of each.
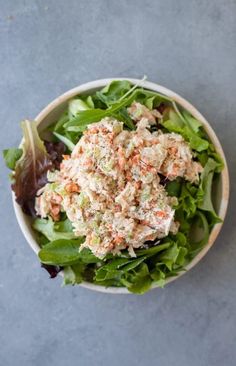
(117, 267)
(129, 271)
(152, 251)
(11, 156)
(123, 116)
(113, 91)
(115, 264)
(132, 265)
(54, 230)
(84, 118)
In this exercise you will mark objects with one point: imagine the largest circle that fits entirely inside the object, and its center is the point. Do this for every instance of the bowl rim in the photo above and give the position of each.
(86, 87)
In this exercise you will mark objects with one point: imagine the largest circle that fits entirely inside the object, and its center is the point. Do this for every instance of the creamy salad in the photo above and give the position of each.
(110, 187)
(117, 187)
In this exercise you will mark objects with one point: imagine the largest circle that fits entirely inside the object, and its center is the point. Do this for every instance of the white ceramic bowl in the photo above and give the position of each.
(53, 110)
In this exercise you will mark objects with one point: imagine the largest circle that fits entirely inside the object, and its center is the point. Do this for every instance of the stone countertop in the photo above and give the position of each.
(50, 46)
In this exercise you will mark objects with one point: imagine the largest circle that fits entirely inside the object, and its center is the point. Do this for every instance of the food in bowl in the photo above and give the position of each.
(117, 187)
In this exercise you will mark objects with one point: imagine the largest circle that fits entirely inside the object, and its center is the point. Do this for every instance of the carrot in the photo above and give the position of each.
(66, 157)
(137, 185)
(161, 214)
(121, 163)
(72, 187)
(118, 239)
(173, 150)
(136, 159)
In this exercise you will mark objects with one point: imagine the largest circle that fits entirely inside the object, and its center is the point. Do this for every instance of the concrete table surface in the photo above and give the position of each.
(49, 46)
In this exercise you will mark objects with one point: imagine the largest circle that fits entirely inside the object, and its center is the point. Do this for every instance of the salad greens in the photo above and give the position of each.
(31, 168)
(11, 157)
(156, 261)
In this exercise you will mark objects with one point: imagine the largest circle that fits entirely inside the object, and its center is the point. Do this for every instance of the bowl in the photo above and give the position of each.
(221, 196)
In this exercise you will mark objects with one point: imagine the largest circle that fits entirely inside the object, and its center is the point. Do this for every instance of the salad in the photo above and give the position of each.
(117, 188)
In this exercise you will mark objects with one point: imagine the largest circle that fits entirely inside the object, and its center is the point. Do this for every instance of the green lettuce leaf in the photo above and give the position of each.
(64, 252)
(140, 281)
(86, 117)
(65, 140)
(187, 126)
(54, 230)
(200, 222)
(73, 274)
(61, 252)
(11, 156)
(205, 189)
(76, 105)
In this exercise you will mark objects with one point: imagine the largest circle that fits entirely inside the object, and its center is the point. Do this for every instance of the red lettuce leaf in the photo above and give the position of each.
(55, 150)
(31, 169)
(52, 270)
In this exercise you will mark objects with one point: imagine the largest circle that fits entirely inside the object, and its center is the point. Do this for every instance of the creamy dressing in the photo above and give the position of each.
(110, 188)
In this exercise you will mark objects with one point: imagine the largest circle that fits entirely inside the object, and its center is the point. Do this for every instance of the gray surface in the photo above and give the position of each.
(47, 47)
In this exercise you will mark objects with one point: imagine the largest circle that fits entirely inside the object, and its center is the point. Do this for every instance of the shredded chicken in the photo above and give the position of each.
(110, 188)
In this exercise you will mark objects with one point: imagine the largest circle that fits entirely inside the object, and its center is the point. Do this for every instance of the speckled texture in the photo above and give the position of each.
(49, 46)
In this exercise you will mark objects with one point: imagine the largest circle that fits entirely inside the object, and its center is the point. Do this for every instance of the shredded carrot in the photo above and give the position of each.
(72, 187)
(118, 239)
(136, 159)
(161, 214)
(66, 157)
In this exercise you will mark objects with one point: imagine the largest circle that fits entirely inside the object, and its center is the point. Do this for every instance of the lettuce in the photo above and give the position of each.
(31, 169)
(113, 91)
(158, 260)
(61, 252)
(64, 252)
(113, 108)
(11, 156)
(54, 230)
(205, 190)
(187, 126)
(30, 165)
(140, 281)
(73, 274)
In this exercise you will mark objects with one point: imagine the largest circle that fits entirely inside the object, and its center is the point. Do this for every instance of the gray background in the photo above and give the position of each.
(47, 47)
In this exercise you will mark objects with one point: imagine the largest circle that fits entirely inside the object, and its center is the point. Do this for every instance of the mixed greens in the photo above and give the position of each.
(60, 247)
